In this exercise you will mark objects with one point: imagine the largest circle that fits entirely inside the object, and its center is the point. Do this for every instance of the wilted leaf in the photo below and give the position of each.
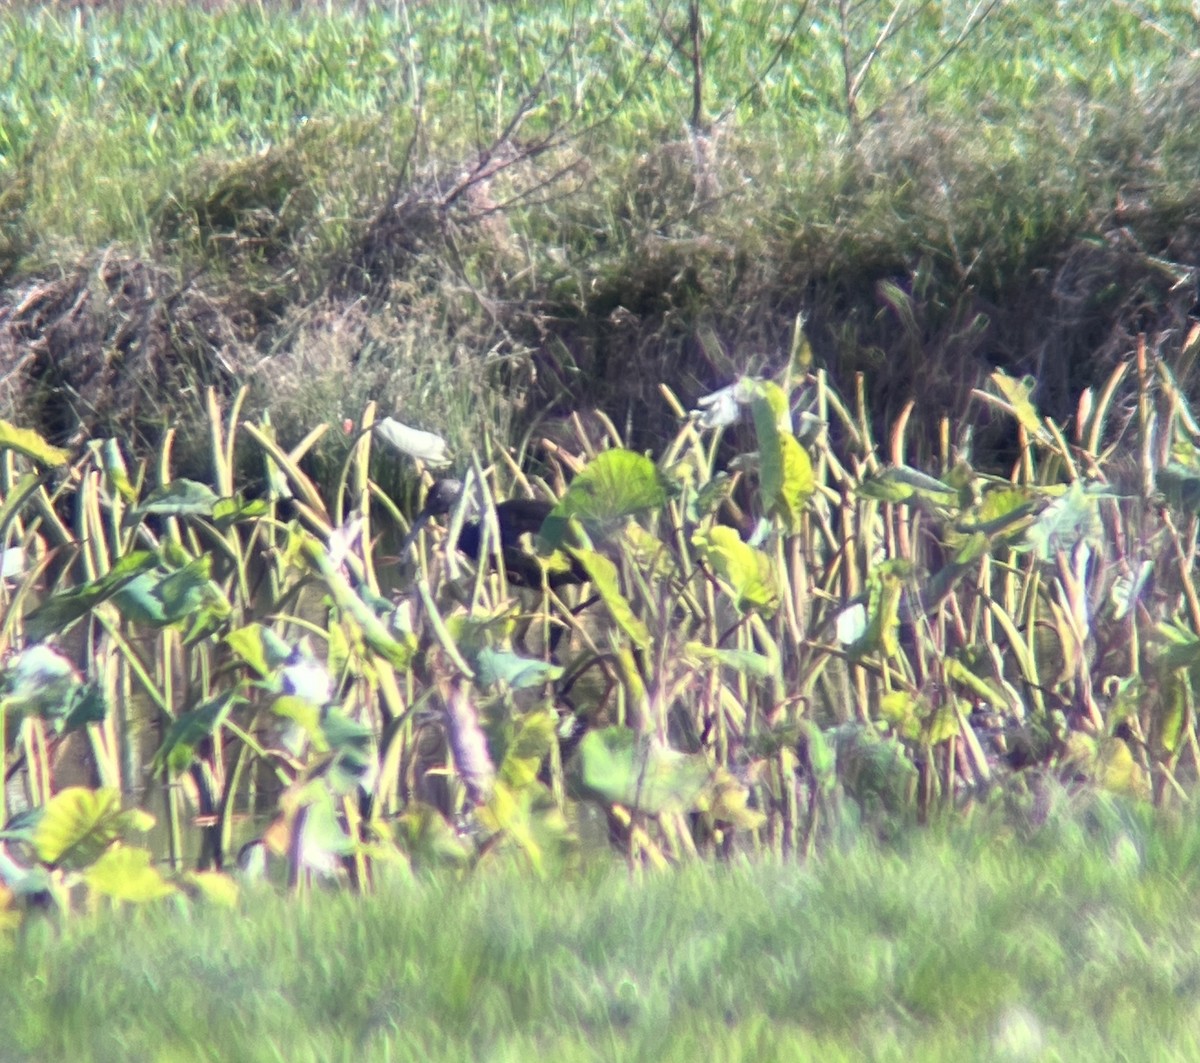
(427, 446)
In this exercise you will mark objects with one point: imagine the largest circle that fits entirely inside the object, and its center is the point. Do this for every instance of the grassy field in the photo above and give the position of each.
(1074, 939)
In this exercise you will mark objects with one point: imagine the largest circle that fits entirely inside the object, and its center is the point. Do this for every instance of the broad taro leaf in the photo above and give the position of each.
(229, 511)
(126, 874)
(352, 746)
(786, 473)
(514, 671)
(615, 485)
(619, 767)
(1072, 518)
(190, 729)
(747, 572)
(522, 759)
(65, 607)
(159, 599)
(77, 825)
(874, 770)
(179, 498)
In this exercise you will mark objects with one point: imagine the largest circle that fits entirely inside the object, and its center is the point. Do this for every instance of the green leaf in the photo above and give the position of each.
(786, 476)
(305, 714)
(1017, 394)
(529, 817)
(745, 662)
(901, 710)
(898, 483)
(745, 571)
(352, 747)
(33, 446)
(377, 635)
(65, 607)
(886, 585)
(615, 485)
(89, 704)
(423, 833)
(875, 771)
(619, 767)
(229, 511)
(822, 756)
(603, 575)
(115, 471)
(529, 746)
(213, 886)
(250, 645)
(79, 824)
(727, 801)
(1072, 518)
(190, 729)
(179, 498)
(958, 672)
(503, 666)
(126, 875)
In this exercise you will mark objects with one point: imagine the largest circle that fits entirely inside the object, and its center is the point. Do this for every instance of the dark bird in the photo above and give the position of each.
(516, 519)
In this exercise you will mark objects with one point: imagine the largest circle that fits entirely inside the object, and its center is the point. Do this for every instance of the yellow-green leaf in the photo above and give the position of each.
(126, 875)
(746, 572)
(33, 446)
